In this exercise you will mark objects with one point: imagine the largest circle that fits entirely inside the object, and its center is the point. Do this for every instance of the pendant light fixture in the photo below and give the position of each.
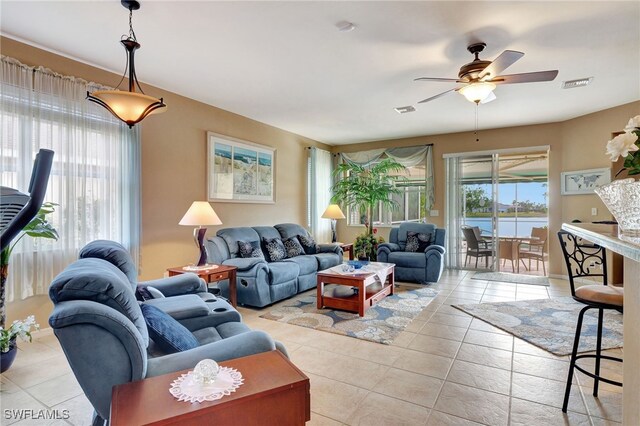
(129, 106)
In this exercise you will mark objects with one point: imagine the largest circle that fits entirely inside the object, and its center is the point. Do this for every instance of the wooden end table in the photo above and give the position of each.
(212, 275)
(348, 247)
(370, 291)
(274, 392)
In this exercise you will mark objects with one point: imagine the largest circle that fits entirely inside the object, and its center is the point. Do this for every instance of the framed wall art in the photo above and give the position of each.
(583, 181)
(239, 171)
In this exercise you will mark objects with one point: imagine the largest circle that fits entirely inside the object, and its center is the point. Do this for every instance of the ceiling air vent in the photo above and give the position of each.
(404, 109)
(581, 82)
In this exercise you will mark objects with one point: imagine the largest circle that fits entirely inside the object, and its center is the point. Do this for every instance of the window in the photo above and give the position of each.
(411, 201)
(94, 179)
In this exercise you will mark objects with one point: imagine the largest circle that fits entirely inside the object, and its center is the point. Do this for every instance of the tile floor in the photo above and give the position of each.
(445, 369)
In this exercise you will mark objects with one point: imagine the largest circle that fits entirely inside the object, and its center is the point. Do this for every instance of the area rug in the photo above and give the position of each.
(381, 324)
(511, 278)
(550, 323)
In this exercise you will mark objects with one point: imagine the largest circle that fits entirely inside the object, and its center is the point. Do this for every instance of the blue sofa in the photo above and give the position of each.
(259, 282)
(103, 333)
(421, 267)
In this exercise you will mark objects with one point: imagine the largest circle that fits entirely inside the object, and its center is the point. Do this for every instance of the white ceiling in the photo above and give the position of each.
(286, 64)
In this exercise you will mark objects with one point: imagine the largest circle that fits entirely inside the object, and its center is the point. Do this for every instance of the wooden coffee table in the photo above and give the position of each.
(274, 392)
(369, 292)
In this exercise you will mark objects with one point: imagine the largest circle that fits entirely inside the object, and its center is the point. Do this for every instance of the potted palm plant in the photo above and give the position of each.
(363, 188)
(38, 227)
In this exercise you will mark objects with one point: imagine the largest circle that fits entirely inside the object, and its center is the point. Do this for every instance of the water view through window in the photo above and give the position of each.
(521, 207)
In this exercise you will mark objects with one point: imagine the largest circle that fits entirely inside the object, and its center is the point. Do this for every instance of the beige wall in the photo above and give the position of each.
(174, 171)
(575, 144)
(174, 167)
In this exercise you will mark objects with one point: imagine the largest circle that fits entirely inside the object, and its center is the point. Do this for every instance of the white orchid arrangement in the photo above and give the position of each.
(627, 146)
(21, 329)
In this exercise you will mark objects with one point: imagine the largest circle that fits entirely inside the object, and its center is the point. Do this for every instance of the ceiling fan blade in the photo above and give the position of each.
(446, 80)
(489, 98)
(527, 77)
(437, 96)
(501, 63)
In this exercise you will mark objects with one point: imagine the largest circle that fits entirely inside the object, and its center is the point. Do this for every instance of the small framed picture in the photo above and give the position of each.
(583, 181)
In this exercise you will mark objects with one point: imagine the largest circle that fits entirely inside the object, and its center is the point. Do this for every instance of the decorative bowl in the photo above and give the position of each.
(358, 264)
(622, 198)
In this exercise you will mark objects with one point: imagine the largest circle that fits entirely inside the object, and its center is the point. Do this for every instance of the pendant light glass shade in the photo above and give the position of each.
(476, 92)
(129, 106)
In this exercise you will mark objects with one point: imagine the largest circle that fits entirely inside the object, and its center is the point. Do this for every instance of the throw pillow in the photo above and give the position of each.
(417, 241)
(166, 332)
(308, 243)
(250, 249)
(275, 249)
(293, 247)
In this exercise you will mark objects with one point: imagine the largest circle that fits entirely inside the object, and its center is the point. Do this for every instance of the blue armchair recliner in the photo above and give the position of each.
(421, 267)
(103, 333)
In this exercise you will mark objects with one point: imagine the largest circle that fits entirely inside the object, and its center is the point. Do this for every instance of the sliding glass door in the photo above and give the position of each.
(495, 203)
(472, 223)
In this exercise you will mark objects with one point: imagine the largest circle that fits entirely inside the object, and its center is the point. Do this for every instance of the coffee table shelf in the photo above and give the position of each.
(369, 292)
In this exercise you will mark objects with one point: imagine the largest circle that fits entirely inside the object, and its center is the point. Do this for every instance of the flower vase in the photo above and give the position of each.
(7, 358)
(622, 198)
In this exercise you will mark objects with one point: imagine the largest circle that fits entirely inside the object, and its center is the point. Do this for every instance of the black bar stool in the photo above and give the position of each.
(581, 258)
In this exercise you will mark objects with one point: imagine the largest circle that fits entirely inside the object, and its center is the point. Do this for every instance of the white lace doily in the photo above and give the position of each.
(185, 388)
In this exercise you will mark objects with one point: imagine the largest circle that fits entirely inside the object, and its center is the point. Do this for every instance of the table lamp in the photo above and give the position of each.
(333, 212)
(200, 214)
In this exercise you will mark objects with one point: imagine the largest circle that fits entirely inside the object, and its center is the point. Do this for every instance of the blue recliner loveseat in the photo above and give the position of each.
(184, 297)
(260, 282)
(421, 266)
(103, 333)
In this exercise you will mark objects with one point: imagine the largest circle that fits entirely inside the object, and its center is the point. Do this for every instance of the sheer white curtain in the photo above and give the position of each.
(95, 178)
(320, 167)
(454, 211)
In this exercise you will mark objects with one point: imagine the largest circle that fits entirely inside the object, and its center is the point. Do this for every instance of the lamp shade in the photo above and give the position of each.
(130, 107)
(476, 92)
(333, 212)
(200, 214)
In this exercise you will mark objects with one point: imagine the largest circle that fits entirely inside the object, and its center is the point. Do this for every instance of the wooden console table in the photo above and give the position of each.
(607, 237)
(213, 275)
(274, 392)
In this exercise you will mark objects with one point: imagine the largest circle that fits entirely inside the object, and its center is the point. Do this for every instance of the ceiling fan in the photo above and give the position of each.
(479, 77)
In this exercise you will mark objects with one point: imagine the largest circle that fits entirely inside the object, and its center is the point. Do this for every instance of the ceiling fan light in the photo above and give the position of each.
(476, 92)
(130, 107)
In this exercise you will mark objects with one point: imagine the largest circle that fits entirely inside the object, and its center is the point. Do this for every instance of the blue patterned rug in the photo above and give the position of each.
(381, 324)
(550, 323)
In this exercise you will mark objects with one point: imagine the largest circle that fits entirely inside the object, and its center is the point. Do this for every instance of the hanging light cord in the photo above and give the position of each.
(132, 34)
(476, 129)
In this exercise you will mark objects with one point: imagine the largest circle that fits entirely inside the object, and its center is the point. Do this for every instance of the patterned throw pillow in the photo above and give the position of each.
(417, 242)
(308, 243)
(275, 249)
(293, 247)
(250, 249)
